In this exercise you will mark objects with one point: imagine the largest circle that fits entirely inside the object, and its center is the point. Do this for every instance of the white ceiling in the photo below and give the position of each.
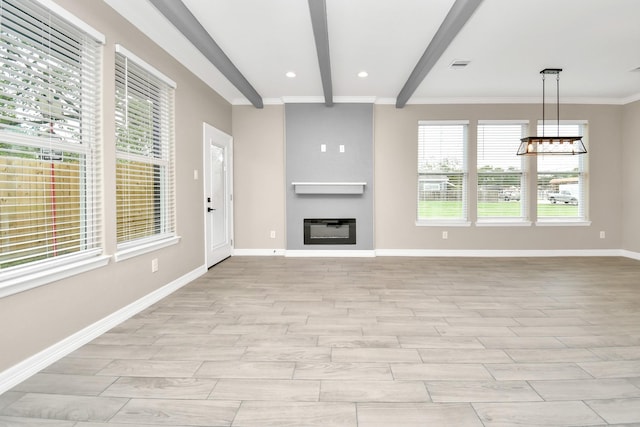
(596, 42)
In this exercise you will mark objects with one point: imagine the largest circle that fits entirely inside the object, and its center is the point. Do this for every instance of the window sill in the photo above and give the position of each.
(562, 223)
(32, 277)
(442, 223)
(143, 247)
(503, 223)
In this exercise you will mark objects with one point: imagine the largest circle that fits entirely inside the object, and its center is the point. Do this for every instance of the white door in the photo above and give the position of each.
(218, 195)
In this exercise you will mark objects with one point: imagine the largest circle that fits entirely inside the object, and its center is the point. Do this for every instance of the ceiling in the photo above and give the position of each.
(595, 42)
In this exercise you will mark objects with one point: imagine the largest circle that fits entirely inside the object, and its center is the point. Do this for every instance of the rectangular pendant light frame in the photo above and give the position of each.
(558, 145)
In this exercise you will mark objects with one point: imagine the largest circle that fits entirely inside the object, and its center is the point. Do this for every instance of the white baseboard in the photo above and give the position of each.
(498, 253)
(632, 255)
(258, 252)
(304, 253)
(32, 365)
(488, 253)
(330, 254)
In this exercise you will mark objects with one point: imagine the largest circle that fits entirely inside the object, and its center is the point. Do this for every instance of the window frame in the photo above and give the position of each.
(463, 219)
(523, 219)
(583, 172)
(167, 234)
(38, 272)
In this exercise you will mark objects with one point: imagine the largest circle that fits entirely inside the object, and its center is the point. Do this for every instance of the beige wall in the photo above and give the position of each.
(258, 149)
(36, 319)
(395, 177)
(631, 177)
(260, 187)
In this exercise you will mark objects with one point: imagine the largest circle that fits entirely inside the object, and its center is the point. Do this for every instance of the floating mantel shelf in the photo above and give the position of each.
(328, 187)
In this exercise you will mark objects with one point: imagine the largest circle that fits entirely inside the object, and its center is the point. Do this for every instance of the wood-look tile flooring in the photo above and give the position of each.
(362, 342)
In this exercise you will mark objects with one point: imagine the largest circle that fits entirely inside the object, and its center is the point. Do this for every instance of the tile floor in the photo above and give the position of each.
(362, 342)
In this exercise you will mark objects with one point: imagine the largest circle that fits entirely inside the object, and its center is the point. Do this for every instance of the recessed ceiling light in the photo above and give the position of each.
(290, 74)
(363, 74)
(459, 64)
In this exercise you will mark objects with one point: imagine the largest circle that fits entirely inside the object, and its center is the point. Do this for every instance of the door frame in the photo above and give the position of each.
(217, 135)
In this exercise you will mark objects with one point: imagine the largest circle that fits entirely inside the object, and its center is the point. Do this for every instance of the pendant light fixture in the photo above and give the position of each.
(567, 145)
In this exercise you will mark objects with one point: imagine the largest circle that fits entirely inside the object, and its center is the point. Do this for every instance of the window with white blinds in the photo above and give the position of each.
(50, 155)
(144, 152)
(562, 179)
(442, 171)
(501, 186)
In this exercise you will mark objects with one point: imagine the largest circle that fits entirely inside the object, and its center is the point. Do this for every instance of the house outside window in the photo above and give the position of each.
(563, 180)
(442, 172)
(50, 152)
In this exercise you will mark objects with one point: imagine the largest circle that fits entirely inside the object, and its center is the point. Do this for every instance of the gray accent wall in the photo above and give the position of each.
(307, 128)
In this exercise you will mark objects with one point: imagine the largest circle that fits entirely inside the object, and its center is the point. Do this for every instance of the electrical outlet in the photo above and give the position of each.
(602, 235)
(445, 235)
(272, 234)
(154, 265)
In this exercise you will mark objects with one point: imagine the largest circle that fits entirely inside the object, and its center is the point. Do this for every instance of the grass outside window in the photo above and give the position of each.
(439, 209)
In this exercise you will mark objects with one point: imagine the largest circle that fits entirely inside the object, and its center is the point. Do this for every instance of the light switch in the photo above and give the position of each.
(341, 148)
(323, 148)
(195, 174)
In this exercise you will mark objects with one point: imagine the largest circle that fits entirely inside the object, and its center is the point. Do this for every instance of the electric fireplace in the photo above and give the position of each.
(329, 231)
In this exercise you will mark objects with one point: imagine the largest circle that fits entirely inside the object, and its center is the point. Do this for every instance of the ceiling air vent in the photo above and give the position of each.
(459, 64)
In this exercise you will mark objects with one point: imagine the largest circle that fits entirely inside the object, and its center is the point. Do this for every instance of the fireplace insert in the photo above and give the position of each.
(330, 231)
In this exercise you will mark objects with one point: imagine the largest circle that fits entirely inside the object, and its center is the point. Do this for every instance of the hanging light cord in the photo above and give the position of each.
(558, 101)
(543, 98)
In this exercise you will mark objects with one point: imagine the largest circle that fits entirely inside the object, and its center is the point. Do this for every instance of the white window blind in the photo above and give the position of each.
(50, 189)
(501, 187)
(562, 179)
(144, 152)
(442, 171)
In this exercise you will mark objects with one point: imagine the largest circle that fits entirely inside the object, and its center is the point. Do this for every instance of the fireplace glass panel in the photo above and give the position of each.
(330, 231)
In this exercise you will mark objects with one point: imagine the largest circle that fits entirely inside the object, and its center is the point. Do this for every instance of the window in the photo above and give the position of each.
(501, 187)
(562, 181)
(50, 189)
(144, 153)
(442, 171)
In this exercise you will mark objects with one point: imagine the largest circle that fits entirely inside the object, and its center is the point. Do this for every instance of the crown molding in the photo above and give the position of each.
(515, 100)
(437, 101)
(630, 99)
(310, 100)
(303, 99)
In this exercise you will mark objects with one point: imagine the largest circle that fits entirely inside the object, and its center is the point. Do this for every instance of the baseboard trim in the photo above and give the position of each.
(498, 253)
(440, 253)
(32, 365)
(304, 253)
(258, 252)
(632, 255)
(330, 254)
